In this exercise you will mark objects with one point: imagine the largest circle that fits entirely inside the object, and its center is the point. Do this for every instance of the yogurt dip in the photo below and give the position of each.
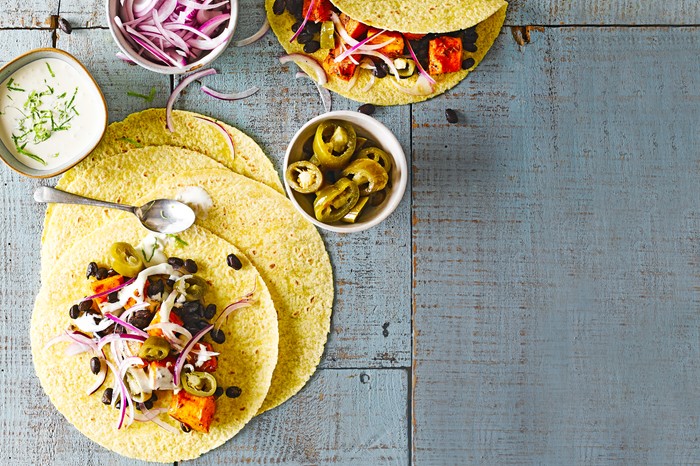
(50, 112)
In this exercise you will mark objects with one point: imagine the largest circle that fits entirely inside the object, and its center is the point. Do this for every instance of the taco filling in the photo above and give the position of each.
(354, 47)
(147, 325)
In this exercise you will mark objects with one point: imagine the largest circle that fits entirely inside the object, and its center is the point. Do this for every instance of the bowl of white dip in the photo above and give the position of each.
(52, 113)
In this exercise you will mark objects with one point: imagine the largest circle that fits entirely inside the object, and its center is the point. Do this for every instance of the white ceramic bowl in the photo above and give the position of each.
(130, 52)
(92, 140)
(367, 127)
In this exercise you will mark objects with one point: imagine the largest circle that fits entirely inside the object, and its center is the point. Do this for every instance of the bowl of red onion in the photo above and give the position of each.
(172, 36)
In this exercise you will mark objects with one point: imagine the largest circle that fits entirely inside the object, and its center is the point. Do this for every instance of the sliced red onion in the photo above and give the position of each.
(299, 58)
(128, 9)
(123, 393)
(210, 25)
(178, 89)
(370, 83)
(236, 96)
(184, 27)
(112, 290)
(255, 37)
(420, 88)
(113, 337)
(150, 47)
(200, 6)
(70, 337)
(228, 310)
(148, 415)
(83, 339)
(209, 44)
(322, 91)
(303, 23)
(420, 68)
(342, 32)
(76, 348)
(357, 46)
(386, 60)
(229, 140)
(127, 325)
(183, 355)
(101, 376)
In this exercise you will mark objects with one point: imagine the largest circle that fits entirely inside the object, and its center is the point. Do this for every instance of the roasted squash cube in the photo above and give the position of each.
(344, 69)
(444, 55)
(195, 411)
(411, 36)
(100, 286)
(156, 332)
(321, 11)
(354, 28)
(392, 50)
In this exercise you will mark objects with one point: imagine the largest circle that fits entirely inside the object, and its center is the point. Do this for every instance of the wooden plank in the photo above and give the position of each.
(344, 417)
(96, 49)
(556, 254)
(90, 13)
(22, 14)
(371, 320)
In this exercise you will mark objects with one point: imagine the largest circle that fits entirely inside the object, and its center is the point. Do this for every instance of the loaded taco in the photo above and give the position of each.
(387, 52)
(164, 351)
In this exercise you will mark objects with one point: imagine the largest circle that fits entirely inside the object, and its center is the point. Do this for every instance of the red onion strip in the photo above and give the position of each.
(229, 140)
(340, 29)
(237, 96)
(303, 24)
(183, 355)
(352, 49)
(178, 89)
(420, 68)
(113, 337)
(386, 60)
(112, 290)
(127, 325)
(199, 6)
(299, 58)
(123, 393)
(255, 37)
(229, 309)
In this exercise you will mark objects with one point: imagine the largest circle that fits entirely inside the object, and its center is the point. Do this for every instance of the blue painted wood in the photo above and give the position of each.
(556, 254)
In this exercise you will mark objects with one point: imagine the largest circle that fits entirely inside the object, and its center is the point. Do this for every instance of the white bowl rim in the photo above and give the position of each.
(126, 49)
(399, 158)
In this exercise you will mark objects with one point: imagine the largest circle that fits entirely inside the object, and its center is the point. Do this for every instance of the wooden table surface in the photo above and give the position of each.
(535, 299)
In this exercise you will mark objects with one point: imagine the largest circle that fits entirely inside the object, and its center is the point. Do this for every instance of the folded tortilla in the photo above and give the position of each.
(247, 358)
(384, 92)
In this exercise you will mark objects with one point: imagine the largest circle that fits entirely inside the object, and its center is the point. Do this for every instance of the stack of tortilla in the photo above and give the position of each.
(272, 348)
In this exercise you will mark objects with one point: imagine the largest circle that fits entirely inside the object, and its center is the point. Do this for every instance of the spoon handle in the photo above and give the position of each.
(46, 194)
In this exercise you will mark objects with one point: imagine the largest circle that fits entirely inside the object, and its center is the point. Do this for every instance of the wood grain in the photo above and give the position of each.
(23, 14)
(556, 255)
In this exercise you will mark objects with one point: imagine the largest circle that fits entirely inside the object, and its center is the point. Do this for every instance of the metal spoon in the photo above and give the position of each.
(159, 216)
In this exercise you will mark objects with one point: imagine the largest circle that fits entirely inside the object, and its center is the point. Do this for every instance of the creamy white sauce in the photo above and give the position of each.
(82, 117)
(197, 198)
(152, 248)
(136, 289)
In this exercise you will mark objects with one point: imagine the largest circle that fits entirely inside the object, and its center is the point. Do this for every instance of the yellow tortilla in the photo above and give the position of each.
(383, 92)
(247, 359)
(420, 16)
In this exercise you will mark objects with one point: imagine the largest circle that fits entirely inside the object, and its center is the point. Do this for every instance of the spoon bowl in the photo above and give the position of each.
(159, 216)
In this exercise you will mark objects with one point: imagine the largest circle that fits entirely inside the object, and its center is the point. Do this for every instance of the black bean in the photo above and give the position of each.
(218, 336)
(91, 270)
(155, 288)
(95, 365)
(296, 7)
(64, 25)
(176, 262)
(296, 26)
(210, 311)
(218, 392)
(113, 297)
(85, 306)
(107, 396)
(74, 312)
(185, 428)
(451, 116)
(468, 63)
(101, 273)
(234, 262)
(305, 37)
(118, 404)
(367, 109)
(193, 308)
(154, 397)
(191, 266)
(381, 69)
(233, 391)
(148, 404)
(170, 282)
(469, 47)
(469, 36)
(313, 28)
(112, 272)
(312, 46)
(141, 319)
(279, 6)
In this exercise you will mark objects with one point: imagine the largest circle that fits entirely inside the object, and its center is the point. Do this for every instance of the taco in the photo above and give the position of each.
(286, 249)
(387, 52)
(154, 331)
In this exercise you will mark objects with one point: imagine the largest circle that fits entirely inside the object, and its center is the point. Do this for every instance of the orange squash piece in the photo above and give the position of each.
(105, 284)
(321, 11)
(444, 55)
(392, 50)
(194, 411)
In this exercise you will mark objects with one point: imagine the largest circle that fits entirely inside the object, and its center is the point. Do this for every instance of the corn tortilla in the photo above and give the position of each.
(247, 358)
(383, 92)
